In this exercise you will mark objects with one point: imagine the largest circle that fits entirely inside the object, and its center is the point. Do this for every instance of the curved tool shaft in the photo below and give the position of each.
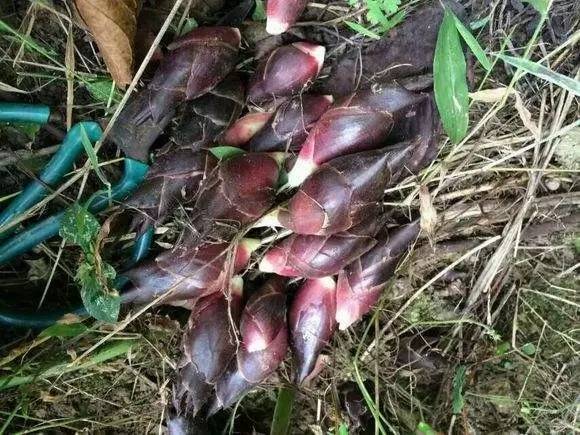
(44, 319)
(19, 112)
(22, 242)
(60, 164)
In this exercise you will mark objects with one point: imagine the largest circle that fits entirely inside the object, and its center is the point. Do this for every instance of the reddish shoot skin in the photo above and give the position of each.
(187, 272)
(282, 14)
(360, 284)
(238, 192)
(311, 256)
(209, 344)
(264, 335)
(344, 191)
(174, 178)
(288, 127)
(287, 70)
(311, 323)
(245, 128)
(195, 64)
(360, 122)
(204, 119)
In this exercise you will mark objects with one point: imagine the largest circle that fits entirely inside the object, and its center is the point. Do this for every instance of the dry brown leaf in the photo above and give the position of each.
(113, 24)
(428, 213)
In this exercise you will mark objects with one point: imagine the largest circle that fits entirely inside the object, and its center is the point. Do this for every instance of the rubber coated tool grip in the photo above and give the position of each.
(60, 164)
(24, 241)
(20, 112)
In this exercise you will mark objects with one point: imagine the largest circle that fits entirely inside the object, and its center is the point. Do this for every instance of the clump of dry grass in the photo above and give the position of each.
(492, 289)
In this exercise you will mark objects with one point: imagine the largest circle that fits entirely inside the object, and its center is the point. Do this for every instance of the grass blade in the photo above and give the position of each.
(472, 43)
(362, 30)
(539, 5)
(90, 151)
(457, 393)
(543, 72)
(112, 351)
(283, 412)
(450, 82)
(7, 88)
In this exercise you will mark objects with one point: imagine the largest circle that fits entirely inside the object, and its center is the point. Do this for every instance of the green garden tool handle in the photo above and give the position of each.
(21, 112)
(40, 320)
(44, 319)
(60, 164)
(24, 241)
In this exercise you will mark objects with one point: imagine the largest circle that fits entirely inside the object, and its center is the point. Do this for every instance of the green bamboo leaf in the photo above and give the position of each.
(457, 389)
(283, 412)
(92, 155)
(362, 30)
(226, 152)
(425, 429)
(540, 5)
(472, 43)
(259, 11)
(103, 90)
(343, 429)
(63, 330)
(189, 25)
(450, 82)
(543, 72)
(108, 352)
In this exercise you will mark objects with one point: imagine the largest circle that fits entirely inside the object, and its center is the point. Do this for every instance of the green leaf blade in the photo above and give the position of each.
(450, 80)
(457, 391)
(474, 46)
(259, 13)
(103, 90)
(543, 72)
(64, 330)
(362, 30)
(226, 152)
(283, 412)
(539, 5)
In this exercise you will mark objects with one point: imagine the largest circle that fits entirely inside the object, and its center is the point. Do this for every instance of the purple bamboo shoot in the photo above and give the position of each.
(264, 334)
(359, 122)
(187, 272)
(173, 178)
(282, 14)
(287, 70)
(205, 118)
(311, 256)
(196, 63)
(238, 192)
(361, 283)
(342, 192)
(242, 131)
(424, 128)
(289, 126)
(311, 323)
(209, 344)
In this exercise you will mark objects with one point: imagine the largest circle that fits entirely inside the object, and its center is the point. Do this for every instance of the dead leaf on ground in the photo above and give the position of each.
(428, 212)
(113, 24)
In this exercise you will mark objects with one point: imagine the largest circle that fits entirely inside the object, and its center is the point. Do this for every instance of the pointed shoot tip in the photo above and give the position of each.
(276, 27)
(300, 172)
